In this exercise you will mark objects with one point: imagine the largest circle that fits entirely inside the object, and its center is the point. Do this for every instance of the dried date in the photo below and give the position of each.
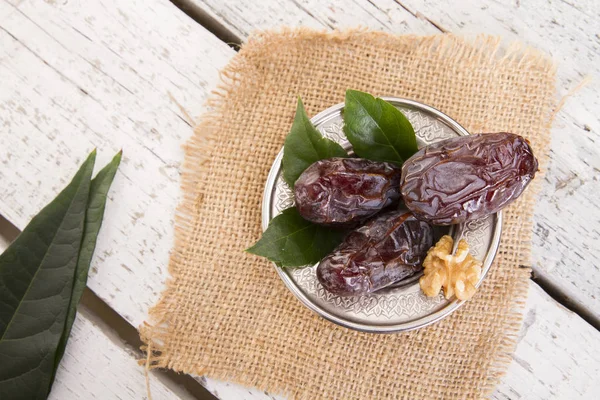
(340, 191)
(466, 178)
(387, 249)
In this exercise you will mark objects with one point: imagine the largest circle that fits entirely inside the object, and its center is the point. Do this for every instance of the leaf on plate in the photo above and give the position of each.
(304, 145)
(93, 221)
(377, 130)
(292, 241)
(36, 282)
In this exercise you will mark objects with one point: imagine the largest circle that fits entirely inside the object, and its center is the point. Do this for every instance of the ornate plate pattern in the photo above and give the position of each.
(396, 309)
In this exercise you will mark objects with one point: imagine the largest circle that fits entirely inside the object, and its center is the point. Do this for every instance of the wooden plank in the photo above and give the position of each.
(78, 75)
(98, 366)
(233, 391)
(554, 357)
(567, 218)
(74, 76)
(242, 17)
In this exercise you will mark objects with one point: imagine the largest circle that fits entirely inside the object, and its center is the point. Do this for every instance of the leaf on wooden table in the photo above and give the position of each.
(292, 241)
(36, 282)
(93, 221)
(305, 145)
(377, 130)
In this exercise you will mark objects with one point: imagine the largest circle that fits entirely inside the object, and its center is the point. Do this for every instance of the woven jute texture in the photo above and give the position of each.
(226, 314)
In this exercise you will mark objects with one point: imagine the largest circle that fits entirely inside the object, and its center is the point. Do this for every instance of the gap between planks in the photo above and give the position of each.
(111, 320)
(423, 17)
(214, 25)
(211, 24)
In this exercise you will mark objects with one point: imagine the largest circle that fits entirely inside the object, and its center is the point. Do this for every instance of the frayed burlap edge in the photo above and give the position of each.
(481, 49)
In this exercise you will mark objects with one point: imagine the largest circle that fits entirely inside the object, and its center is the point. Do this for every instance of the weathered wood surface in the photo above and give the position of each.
(74, 75)
(554, 357)
(98, 366)
(77, 75)
(567, 218)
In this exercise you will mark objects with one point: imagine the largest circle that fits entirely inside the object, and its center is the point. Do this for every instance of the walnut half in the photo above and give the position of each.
(456, 273)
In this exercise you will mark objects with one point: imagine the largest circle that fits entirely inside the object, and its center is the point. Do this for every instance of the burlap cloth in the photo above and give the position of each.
(226, 314)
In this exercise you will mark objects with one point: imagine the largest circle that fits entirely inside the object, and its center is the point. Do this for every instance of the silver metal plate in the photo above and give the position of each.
(402, 307)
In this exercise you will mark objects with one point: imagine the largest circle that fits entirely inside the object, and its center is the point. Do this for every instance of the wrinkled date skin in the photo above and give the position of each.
(387, 249)
(466, 178)
(342, 191)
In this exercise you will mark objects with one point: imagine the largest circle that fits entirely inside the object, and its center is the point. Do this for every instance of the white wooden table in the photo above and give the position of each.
(112, 74)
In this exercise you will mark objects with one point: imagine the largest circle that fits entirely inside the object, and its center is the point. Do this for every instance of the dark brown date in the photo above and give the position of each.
(340, 191)
(466, 178)
(387, 249)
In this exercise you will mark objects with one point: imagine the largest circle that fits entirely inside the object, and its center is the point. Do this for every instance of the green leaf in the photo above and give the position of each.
(36, 281)
(304, 145)
(292, 241)
(377, 130)
(93, 221)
